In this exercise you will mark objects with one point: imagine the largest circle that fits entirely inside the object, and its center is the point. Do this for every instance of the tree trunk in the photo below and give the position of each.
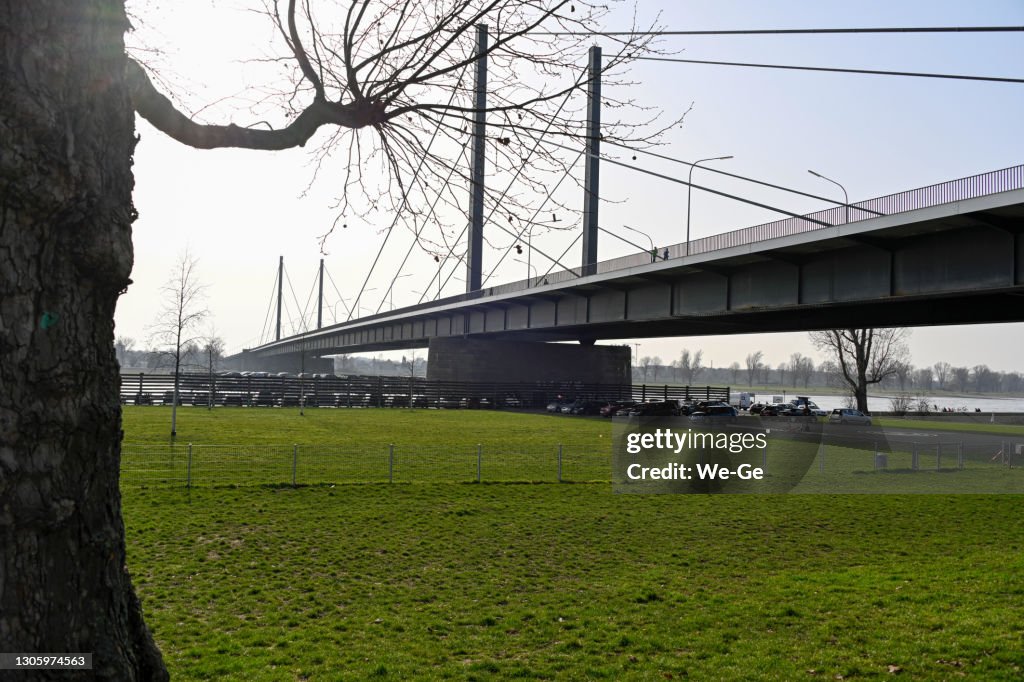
(66, 143)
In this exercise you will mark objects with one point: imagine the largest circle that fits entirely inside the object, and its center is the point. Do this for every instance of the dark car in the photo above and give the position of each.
(715, 413)
(589, 407)
(617, 407)
(557, 405)
(666, 408)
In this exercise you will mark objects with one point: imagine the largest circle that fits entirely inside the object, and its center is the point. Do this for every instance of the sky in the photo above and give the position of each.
(237, 211)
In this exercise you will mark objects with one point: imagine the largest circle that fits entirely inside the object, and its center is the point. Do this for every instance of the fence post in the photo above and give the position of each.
(188, 469)
(643, 393)
(960, 456)
(764, 457)
(876, 456)
(938, 456)
(821, 460)
(295, 461)
(479, 456)
(914, 461)
(391, 463)
(559, 462)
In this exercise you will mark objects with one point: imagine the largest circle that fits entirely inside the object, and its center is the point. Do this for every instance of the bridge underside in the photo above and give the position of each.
(952, 264)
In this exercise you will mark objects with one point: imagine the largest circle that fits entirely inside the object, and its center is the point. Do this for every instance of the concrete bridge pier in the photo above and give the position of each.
(464, 359)
(293, 363)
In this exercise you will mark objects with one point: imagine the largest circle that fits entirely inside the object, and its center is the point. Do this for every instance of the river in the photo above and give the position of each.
(881, 402)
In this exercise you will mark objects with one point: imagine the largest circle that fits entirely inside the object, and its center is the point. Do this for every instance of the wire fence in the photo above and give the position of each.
(830, 463)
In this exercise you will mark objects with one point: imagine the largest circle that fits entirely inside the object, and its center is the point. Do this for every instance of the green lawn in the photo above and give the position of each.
(937, 423)
(502, 581)
(475, 582)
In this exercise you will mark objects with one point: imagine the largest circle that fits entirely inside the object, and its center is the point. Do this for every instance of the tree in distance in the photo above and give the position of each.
(380, 78)
(175, 330)
(754, 366)
(863, 356)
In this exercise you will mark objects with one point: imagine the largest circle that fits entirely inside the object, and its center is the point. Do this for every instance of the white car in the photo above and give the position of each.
(846, 415)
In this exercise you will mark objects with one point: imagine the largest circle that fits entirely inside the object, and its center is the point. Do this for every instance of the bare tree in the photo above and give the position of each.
(903, 372)
(175, 331)
(123, 345)
(754, 366)
(410, 363)
(69, 96)
(655, 366)
(943, 371)
(735, 369)
(863, 356)
(985, 379)
(402, 74)
(213, 351)
(924, 379)
(961, 376)
(691, 365)
(800, 368)
(781, 369)
(645, 365)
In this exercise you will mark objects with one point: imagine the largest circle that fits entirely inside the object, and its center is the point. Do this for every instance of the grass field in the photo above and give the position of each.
(504, 581)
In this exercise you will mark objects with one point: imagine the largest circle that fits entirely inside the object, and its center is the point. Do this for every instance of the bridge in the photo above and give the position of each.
(950, 253)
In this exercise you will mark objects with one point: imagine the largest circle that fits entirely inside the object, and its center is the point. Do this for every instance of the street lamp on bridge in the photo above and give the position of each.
(689, 193)
(846, 198)
(529, 267)
(654, 251)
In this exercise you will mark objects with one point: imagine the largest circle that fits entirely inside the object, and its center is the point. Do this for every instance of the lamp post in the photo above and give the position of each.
(689, 194)
(846, 197)
(334, 308)
(654, 251)
(391, 290)
(529, 267)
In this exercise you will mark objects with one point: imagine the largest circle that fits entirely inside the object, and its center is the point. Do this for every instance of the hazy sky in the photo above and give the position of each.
(238, 210)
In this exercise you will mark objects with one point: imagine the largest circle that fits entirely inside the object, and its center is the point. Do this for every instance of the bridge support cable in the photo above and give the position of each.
(532, 221)
(592, 167)
(755, 181)
(475, 243)
(265, 329)
(416, 238)
(518, 236)
(341, 300)
(706, 189)
(306, 312)
(405, 201)
(642, 249)
(542, 279)
(831, 69)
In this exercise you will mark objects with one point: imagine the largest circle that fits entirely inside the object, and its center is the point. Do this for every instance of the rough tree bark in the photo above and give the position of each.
(66, 143)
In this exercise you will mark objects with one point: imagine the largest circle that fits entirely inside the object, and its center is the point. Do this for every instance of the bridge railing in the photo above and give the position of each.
(950, 191)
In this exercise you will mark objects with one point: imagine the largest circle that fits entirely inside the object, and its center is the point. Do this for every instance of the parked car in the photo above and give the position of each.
(667, 408)
(715, 413)
(846, 415)
(591, 407)
(557, 405)
(617, 407)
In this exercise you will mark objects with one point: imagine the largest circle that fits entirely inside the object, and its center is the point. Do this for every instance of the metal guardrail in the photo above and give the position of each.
(960, 189)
